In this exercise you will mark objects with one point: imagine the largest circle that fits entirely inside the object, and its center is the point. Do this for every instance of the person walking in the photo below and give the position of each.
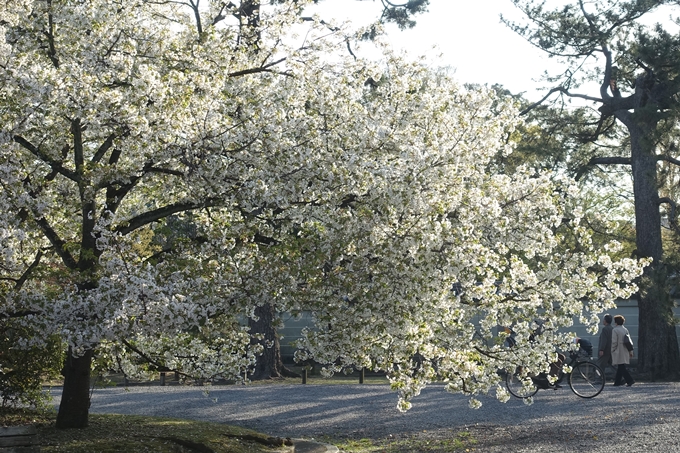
(620, 354)
(604, 348)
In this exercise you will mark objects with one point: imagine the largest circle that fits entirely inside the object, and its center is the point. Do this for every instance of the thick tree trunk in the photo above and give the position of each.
(75, 399)
(269, 365)
(658, 354)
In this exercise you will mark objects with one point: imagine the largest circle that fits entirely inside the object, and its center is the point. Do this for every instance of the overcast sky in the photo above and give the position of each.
(469, 36)
(471, 39)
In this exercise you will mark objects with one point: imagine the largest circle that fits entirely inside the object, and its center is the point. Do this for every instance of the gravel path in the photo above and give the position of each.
(643, 418)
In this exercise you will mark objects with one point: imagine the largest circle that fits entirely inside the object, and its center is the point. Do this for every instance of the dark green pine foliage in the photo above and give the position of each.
(630, 123)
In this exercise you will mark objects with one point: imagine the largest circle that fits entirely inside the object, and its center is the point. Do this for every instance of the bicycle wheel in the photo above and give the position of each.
(586, 379)
(519, 387)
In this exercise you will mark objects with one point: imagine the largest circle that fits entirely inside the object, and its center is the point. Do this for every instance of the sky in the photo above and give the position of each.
(466, 35)
(471, 39)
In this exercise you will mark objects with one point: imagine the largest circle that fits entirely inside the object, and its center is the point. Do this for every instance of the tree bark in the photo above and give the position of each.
(658, 353)
(269, 364)
(75, 399)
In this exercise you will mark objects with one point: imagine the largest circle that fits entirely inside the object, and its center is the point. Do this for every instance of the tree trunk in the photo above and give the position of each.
(75, 399)
(658, 354)
(269, 365)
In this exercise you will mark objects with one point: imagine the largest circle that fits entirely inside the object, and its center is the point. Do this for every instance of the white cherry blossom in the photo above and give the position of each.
(157, 184)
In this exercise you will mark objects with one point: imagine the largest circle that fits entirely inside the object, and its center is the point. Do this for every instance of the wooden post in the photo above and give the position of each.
(304, 375)
(361, 375)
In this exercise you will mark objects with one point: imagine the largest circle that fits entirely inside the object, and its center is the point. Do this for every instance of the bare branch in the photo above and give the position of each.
(108, 143)
(197, 16)
(562, 90)
(333, 29)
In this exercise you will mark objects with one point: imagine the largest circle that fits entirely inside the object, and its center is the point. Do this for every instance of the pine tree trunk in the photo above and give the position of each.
(269, 365)
(657, 339)
(658, 354)
(75, 399)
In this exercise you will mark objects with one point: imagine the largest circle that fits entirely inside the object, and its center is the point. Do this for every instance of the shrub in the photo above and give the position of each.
(24, 368)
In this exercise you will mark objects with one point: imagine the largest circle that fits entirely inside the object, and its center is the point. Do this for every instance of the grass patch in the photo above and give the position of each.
(122, 433)
(455, 442)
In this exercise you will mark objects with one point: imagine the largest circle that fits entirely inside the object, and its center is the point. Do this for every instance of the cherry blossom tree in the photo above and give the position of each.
(160, 179)
(432, 254)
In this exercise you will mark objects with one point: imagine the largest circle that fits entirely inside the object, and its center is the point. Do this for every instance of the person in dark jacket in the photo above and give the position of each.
(604, 358)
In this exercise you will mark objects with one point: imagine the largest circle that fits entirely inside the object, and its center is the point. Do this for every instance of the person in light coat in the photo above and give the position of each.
(620, 354)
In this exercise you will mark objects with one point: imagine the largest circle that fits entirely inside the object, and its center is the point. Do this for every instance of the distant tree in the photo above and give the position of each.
(637, 69)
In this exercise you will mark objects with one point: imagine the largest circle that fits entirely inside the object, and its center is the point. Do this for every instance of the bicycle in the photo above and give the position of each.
(586, 379)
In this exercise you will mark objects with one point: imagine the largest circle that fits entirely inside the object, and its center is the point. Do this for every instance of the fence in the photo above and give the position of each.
(292, 329)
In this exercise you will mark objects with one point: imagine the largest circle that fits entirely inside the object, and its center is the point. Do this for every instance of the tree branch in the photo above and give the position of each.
(58, 244)
(264, 68)
(607, 79)
(114, 196)
(52, 51)
(78, 152)
(161, 367)
(56, 165)
(562, 90)
(36, 261)
(602, 161)
(47, 229)
(160, 213)
(610, 161)
(18, 314)
(108, 143)
(669, 159)
(165, 171)
(197, 17)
